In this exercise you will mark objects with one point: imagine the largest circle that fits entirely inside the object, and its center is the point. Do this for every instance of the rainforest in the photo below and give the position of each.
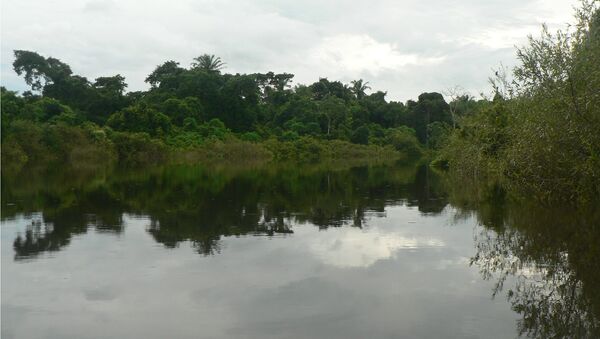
(218, 204)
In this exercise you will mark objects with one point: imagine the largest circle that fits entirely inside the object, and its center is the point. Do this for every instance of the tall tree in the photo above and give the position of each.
(39, 71)
(168, 70)
(359, 87)
(209, 63)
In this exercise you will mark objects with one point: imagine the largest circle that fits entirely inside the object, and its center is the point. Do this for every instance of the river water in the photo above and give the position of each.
(290, 252)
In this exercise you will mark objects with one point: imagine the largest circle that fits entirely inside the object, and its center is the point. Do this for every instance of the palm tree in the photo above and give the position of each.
(208, 63)
(359, 87)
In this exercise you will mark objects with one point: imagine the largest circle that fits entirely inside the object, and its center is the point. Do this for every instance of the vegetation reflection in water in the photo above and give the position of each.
(542, 259)
(203, 204)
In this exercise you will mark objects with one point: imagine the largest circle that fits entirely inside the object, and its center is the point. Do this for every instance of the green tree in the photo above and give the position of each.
(39, 71)
(164, 74)
(430, 107)
(359, 87)
(209, 63)
(140, 118)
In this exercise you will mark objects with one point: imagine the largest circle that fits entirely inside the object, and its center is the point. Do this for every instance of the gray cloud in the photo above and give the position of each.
(402, 47)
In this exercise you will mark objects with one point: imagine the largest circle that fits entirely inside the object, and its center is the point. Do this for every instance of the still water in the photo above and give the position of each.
(290, 252)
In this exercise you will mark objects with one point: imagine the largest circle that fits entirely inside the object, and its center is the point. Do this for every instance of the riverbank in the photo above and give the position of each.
(49, 144)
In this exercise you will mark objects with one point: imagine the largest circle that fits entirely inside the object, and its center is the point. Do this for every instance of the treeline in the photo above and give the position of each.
(541, 133)
(190, 108)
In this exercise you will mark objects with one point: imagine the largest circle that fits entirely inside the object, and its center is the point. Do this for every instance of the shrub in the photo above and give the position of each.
(185, 139)
(138, 148)
(289, 136)
(250, 136)
(360, 135)
(403, 139)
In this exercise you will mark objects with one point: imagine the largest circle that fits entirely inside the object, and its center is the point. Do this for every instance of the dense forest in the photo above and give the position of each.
(190, 108)
(538, 131)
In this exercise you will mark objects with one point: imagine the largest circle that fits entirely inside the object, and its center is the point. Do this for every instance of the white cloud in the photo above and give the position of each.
(352, 55)
(352, 247)
(99, 5)
(497, 38)
(402, 47)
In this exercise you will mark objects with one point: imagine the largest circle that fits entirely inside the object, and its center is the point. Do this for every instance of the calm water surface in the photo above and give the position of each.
(315, 252)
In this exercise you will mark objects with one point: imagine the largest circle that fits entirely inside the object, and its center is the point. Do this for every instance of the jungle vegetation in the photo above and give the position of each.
(201, 113)
(538, 132)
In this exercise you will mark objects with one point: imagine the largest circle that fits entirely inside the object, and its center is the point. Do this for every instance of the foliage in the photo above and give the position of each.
(360, 135)
(138, 148)
(403, 139)
(541, 131)
(142, 119)
(186, 109)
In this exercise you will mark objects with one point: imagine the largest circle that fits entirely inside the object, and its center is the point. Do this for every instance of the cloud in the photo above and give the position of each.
(99, 6)
(402, 47)
(352, 247)
(356, 54)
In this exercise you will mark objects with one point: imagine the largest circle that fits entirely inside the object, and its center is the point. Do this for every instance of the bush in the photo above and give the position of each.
(214, 129)
(13, 155)
(438, 134)
(403, 139)
(289, 136)
(541, 131)
(185, 139)
(28, 135)
(138, 148)
(250, 136)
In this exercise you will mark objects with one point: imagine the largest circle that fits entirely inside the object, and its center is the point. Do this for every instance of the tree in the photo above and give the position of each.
(37, 70)
(429, 108)
(114, 86)
(359, 87)
(455, 94)
(209, 63)
(179, 110)
(164, 72)
(140, 118)
(403, 139)
(324, 88)
(238, 102)
(335, 112)
(274, 88)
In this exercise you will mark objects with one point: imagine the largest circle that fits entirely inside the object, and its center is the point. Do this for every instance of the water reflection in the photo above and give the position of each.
(202, 205)
(542, 260)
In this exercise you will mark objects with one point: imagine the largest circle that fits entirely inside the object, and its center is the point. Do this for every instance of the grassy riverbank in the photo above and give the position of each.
(89, 145)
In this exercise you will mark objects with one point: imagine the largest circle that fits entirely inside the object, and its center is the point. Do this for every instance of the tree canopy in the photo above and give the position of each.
(263, 103)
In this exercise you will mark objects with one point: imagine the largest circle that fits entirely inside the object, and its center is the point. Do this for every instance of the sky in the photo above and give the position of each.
(403, 47)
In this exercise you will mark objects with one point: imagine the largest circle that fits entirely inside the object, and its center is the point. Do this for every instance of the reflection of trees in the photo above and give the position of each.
(66, 215)
(40, 237)
(201, 205)
(548, 257)
(428, 192)
(266, 202)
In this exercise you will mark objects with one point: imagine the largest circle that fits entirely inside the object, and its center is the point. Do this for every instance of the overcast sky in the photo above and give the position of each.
(404, 47)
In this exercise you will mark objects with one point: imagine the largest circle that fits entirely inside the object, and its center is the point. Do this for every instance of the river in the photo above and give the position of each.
(279, 251)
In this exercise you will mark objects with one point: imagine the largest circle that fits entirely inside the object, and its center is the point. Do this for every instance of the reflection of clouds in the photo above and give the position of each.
(352, 247)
